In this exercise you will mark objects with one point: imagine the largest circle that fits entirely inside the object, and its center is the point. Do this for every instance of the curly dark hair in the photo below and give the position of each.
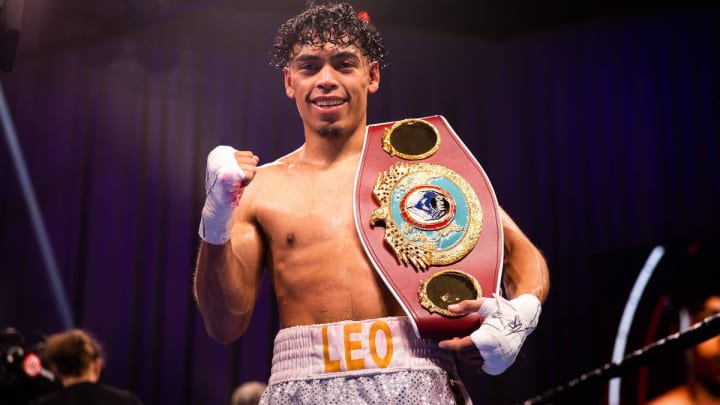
(318, 24)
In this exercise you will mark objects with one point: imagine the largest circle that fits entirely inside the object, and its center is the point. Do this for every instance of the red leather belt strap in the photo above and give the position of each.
(404, 276)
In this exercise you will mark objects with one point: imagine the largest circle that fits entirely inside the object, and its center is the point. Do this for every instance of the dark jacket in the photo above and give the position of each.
(88, 394)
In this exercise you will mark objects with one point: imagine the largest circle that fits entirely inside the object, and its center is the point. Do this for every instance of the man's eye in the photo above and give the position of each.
(347, 65)
(307, 66)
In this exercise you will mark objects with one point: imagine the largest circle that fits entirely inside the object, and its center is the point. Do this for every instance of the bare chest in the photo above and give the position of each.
(309, 208)
(318, 265)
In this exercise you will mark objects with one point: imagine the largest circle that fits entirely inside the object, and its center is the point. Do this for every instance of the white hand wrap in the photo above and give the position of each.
(223, 182)
(505, 326)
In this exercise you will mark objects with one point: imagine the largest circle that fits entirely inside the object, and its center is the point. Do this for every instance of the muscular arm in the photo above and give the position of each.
(229, 266)
(227, 280)
(494, 345)
(524, 267)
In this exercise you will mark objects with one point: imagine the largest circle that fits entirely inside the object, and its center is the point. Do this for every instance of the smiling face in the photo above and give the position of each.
(330, 85)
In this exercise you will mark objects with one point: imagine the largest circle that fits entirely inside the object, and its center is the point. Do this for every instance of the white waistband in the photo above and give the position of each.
(354, 348)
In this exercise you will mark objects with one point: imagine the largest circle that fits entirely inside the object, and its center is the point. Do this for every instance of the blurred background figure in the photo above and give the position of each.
(248, 393)
(77, 360)
(695, 292)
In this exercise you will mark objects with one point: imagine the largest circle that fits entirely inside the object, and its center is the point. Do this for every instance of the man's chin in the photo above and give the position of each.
(330, 129)
(330, 132)
(333, 127)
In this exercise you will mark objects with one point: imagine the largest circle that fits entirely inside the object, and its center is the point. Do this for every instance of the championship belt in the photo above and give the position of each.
(429, 221)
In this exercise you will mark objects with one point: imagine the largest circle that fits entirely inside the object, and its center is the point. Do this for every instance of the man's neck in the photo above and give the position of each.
(89, 377)
(329, 149)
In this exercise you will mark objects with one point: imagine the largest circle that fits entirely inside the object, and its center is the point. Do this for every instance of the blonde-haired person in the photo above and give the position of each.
(76, 358)
(248, 393)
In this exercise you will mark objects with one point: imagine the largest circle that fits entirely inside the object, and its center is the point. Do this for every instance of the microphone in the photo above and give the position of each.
(30, 363)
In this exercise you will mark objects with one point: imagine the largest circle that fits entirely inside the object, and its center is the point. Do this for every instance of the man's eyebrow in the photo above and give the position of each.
(305, 58)
(336, 56)
(345, 55)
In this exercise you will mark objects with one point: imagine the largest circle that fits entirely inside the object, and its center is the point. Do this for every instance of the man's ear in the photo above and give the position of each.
(374, 77)
(96, 367)
(289, 91)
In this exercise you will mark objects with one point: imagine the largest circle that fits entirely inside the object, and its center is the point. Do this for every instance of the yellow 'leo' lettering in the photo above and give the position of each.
(377, 326)
(350, 345)
(330, 365)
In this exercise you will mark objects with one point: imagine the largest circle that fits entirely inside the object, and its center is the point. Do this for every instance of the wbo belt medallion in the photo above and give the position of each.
(431, 214)
(442, 239)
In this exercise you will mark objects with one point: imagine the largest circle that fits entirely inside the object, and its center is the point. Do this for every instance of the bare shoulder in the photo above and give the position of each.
(512, 232)
(271, 188)
(507, 221)
(676, 396)
(270, 175)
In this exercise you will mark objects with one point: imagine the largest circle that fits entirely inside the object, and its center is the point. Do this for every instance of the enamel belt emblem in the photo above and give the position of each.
(431, 214)
(428, 219)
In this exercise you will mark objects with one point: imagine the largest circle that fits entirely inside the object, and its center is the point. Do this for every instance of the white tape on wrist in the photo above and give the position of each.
(505, 326)
(223, 188)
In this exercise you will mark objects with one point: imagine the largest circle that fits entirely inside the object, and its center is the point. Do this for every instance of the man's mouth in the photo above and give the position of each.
(328, 102)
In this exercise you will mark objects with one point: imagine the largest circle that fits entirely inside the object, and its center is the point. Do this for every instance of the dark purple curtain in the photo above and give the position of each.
(597, 137)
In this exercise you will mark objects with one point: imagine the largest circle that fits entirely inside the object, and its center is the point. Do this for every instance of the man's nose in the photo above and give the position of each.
(327, 79)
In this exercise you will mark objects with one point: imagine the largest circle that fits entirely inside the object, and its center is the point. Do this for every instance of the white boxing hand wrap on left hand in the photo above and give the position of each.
(223, 187)
(505, 326)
